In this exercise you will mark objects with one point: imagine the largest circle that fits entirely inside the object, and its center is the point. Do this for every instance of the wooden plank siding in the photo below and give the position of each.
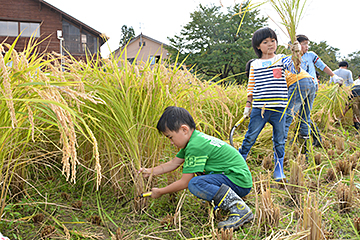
(50, 18)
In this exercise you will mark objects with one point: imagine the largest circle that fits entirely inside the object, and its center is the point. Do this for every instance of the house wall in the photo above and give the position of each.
(33, 11)
(151, 48)
(51, 20)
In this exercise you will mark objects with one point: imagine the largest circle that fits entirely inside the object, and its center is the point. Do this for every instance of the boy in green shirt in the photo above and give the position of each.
(212, 169)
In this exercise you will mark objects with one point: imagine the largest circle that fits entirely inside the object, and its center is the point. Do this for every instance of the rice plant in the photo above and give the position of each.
(35, 103)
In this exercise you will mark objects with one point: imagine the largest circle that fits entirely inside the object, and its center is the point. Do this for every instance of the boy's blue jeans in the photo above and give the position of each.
(206, 186)
(301, 98)
(258, 120)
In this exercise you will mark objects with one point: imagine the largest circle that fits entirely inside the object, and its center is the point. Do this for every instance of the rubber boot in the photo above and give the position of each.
(279, 169)
(228, 200)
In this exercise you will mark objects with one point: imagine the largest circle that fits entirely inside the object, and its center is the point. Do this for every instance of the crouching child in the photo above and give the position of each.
(212, 169)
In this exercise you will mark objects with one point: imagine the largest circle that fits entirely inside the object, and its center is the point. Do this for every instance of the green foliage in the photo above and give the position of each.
(354, 64)
(328, 55)
(126, 35)
(210, 43)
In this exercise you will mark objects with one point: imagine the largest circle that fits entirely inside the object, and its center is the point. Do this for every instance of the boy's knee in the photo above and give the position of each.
(193, 184)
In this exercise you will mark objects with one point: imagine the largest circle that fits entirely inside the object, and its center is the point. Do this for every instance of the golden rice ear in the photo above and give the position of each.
(8, 90)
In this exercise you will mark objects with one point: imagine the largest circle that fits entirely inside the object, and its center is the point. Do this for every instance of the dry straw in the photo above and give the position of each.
(267, 212)
(312, 218)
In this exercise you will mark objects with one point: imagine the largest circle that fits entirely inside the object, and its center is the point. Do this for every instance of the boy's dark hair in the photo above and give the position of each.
(247, 67)
(172, 119)
(343, 64)
(300, 38)
(259, 35)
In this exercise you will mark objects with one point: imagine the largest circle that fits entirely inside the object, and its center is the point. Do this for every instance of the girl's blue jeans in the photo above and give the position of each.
(258, 120)
(206, 186)
(301, 99)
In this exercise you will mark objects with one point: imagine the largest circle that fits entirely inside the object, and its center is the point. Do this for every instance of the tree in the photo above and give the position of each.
(354, 64)
(210, 44)
(126, 35)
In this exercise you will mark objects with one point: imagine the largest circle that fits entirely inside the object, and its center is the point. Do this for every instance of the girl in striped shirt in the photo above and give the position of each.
(267, 95)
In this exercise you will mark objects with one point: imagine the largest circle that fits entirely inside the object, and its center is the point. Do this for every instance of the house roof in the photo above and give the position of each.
(144, 36)
(74, 20)
(136, 38)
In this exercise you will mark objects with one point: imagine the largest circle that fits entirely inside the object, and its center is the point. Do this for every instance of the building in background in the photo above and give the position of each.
(48, 25)
(144, 49)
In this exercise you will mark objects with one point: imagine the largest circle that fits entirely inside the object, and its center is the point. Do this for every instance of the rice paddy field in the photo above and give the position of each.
(71, 142)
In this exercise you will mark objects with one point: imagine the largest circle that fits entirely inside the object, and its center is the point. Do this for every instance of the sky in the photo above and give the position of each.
(333, 21)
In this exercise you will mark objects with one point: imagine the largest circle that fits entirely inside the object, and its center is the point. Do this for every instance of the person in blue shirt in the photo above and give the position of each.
(310, 60)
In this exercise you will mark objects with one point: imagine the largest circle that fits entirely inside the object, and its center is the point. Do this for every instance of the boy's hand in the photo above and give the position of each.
(156, 193)
(247, 111)
(296, 47)
(145, 172)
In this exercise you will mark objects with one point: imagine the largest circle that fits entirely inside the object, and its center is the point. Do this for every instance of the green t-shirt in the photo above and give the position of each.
(210, 155)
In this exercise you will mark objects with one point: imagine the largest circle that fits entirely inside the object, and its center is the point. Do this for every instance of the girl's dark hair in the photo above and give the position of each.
(300, 38)
(259, 35)
(172, 119)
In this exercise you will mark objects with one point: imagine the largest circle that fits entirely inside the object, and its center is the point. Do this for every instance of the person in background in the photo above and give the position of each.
(212, 169)
(354, 103)
(267, 95)
(301, 94)
(344, 73)
(310, 60)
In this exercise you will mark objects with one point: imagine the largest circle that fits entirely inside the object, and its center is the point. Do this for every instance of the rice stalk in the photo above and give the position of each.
(329, 104)
(312, 218)
(267, 212)
(290, 13)
(36, 104)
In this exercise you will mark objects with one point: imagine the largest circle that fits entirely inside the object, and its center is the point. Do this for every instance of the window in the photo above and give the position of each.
(27, 29)
(90, 43)
(143, 44)
(77, 42)
(9, 29)
(71, 35)
(152, 60)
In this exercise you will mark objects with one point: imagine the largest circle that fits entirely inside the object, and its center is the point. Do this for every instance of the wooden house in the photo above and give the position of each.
(58, 31)
(144, 49)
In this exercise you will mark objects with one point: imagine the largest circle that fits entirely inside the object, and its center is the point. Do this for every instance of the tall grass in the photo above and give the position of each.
(135, 97)
(34, 106)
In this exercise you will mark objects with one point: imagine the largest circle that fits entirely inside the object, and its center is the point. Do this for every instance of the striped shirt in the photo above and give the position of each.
(267, 82)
